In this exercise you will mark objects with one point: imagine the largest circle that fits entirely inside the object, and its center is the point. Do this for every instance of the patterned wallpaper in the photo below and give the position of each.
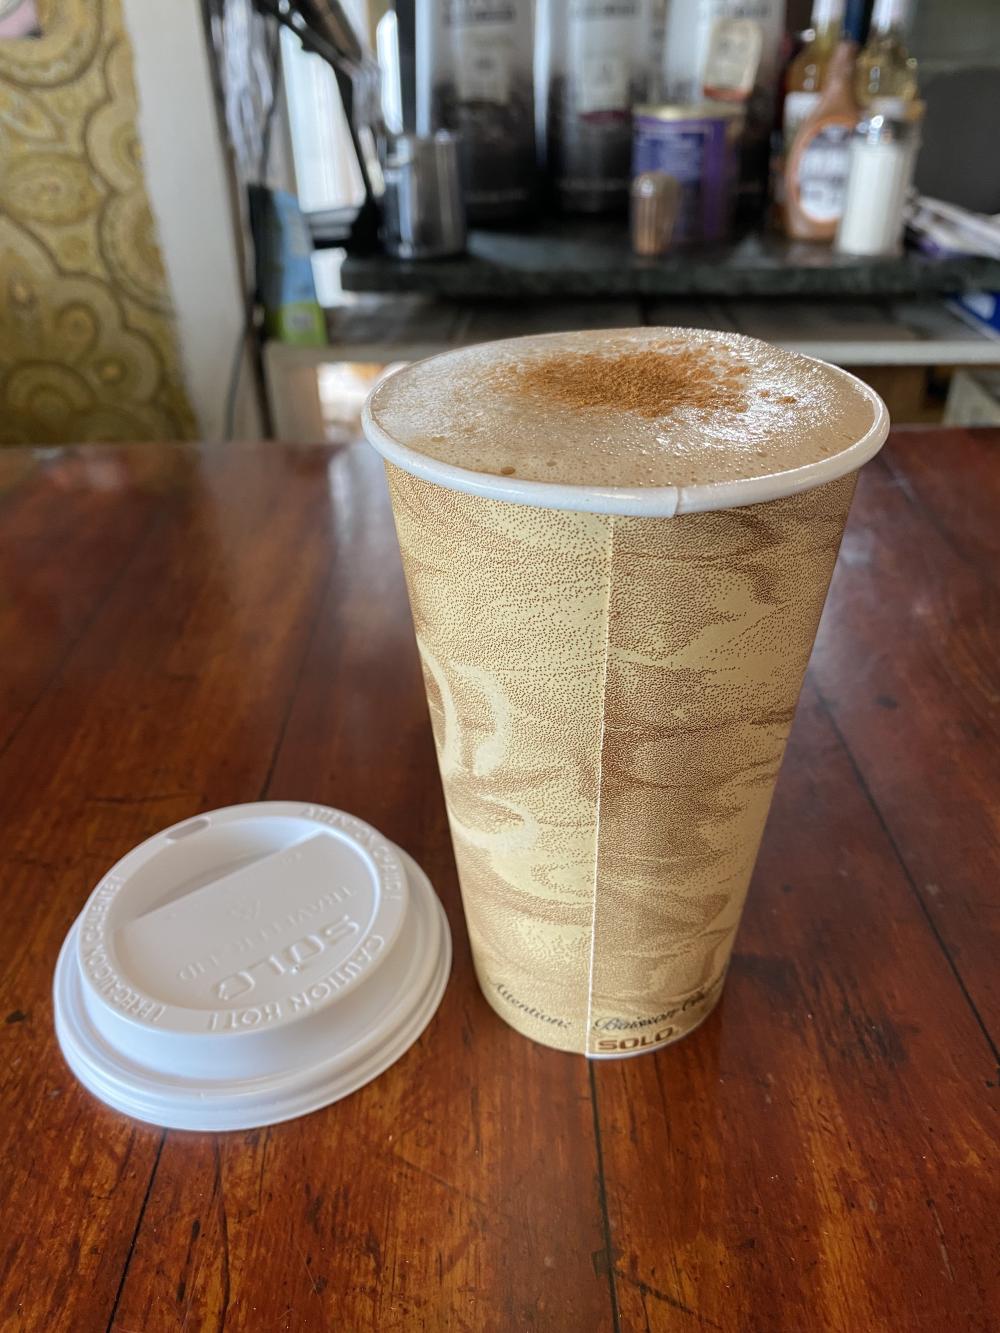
(87, 339)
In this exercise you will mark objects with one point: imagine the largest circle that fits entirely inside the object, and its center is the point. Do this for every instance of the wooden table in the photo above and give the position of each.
(186, 629)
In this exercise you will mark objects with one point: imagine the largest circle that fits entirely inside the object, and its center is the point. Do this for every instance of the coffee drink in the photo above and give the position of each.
(617, 547)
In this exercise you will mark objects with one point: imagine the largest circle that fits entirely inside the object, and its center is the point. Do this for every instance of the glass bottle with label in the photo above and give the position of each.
(816, 170)
(475, 78)
(807, 71)
(601, 60)
(886, 75)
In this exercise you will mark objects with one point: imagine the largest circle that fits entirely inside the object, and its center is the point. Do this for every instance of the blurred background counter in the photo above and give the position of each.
(233, 257)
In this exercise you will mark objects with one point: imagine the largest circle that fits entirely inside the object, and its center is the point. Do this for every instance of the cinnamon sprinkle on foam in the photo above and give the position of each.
(649, 381)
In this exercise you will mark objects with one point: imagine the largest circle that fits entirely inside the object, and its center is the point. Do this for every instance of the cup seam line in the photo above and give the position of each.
(600, 778)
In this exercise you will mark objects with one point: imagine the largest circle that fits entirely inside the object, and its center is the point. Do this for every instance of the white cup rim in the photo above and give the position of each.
(638, 501)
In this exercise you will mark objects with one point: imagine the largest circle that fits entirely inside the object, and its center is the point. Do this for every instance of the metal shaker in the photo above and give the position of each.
(423, 216)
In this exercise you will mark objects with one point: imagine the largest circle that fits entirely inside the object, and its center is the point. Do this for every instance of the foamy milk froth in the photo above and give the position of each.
(585, 408)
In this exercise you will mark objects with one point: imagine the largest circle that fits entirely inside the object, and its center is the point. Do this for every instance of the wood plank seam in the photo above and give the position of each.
(223, 1233)
(135, 1233)
(602, 1193)
(897, 853)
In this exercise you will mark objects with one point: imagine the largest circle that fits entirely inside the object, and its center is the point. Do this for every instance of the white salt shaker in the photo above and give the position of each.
(880, 169)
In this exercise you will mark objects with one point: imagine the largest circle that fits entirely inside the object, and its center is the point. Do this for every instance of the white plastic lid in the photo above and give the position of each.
(248, 966)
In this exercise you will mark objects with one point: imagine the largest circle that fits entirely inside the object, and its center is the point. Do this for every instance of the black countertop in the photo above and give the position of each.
(592, 259)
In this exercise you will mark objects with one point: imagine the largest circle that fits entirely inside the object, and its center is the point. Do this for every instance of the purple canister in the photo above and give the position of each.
(699, 146)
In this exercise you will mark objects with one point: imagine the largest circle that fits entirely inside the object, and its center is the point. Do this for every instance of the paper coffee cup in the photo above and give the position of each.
(612, 674)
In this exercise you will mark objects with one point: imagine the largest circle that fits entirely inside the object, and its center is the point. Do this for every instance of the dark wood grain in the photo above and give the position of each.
(941, 485)
(908, 658)
(230, 624)
(58, 563)
(822, 1155)
(154, 715)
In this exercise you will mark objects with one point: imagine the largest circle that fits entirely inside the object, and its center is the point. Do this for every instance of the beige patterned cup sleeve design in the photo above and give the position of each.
(610, 699)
